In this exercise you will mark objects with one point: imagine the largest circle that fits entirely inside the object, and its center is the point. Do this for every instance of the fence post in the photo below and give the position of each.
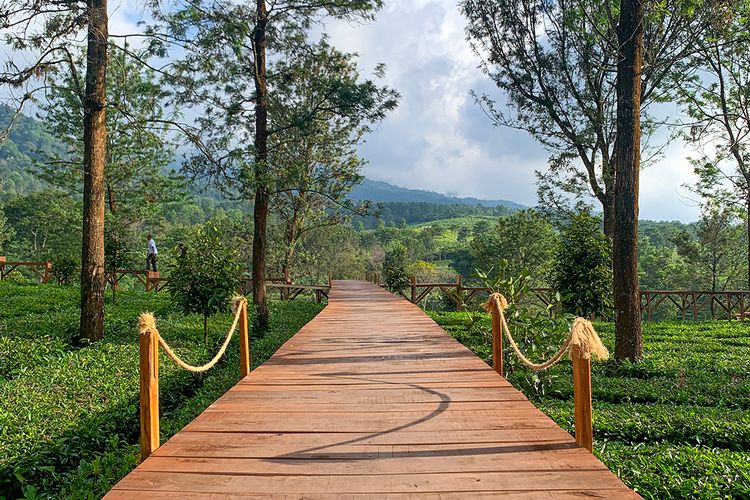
(695, 305)
(413, 289)
(497, 342)
(582, 399)
(244, 341)
(149, 392)
(47, 270)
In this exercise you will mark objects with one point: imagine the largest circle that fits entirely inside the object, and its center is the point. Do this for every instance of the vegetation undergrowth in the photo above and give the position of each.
(676, 425)
(69, 419)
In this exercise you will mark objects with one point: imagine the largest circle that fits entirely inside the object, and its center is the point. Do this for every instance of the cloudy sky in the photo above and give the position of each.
(438, 139)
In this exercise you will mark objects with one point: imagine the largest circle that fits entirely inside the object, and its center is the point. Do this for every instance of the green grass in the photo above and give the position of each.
(450, 227)
(676, 425)
(69, 418)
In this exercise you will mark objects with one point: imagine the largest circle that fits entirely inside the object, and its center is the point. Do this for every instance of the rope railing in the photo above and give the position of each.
(582, 342)
(150, 339)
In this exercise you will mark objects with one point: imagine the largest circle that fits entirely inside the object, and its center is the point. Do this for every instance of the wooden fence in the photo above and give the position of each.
(655, 304)
(152, 281)
(42, 269)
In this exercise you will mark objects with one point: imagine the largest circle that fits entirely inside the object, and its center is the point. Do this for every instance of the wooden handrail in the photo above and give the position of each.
(149, 380)
(582, 401)
(8, 266)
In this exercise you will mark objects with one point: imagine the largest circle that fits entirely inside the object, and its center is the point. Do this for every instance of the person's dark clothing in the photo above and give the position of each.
(151, 260)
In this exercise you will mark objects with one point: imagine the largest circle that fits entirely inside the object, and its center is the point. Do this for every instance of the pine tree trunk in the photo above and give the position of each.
(93, 280)
(260, 211)
(609, 215)
(747, 228)
(628, 338)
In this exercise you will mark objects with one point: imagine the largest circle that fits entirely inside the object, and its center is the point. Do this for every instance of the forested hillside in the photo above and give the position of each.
(383, 191)
(27, 143)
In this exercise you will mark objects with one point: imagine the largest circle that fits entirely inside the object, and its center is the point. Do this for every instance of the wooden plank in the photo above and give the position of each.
(477, 495)
(371, 399)
(303, 484)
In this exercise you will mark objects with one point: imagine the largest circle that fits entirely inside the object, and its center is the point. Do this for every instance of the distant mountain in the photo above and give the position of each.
(379, 191)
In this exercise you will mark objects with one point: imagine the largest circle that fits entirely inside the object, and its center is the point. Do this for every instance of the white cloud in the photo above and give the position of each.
(438, 139)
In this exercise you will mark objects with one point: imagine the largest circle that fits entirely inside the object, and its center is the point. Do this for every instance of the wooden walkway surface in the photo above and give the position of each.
(372, 399)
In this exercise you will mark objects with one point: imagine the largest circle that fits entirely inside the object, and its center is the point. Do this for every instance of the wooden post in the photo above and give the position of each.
(695, 305)
(413, 289)
(152, 281)
(47, 271)
(497, 342)
(582, 399)
(244, 342)
(729, 306)
(149, 396)
(3, 260)
(684, 305)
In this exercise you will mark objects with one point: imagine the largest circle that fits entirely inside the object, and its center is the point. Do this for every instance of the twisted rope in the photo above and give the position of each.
(582, 335)
(147, 323)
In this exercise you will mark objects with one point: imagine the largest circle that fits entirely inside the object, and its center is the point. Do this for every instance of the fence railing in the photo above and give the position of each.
(42, 269)
(150, 339)
(582, 343)
(676, 304)
(152, 281)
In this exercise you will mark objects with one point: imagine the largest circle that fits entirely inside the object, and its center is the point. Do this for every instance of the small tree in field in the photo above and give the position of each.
(394, 268)
(583, 267)
(204, 277)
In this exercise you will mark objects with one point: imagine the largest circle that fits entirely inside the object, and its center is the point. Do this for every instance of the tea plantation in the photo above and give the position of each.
(676, 425)
(69, 414)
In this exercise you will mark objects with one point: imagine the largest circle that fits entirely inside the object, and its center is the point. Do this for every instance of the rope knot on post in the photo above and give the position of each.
(584, 336)
(147, 323)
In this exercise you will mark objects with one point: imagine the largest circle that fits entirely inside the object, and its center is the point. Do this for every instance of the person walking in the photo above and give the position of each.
(151, 253)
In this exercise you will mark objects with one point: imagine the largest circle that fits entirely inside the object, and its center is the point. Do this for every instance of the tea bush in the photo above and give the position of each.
(676, 425)
(69, 418)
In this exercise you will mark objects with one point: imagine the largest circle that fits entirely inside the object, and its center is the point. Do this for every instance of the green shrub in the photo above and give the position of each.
(64, 269)
(395, 276)
(204, 278)
(583, 267)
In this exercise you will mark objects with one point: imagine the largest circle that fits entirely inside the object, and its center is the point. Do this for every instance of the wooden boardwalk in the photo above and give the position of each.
(372, 399)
